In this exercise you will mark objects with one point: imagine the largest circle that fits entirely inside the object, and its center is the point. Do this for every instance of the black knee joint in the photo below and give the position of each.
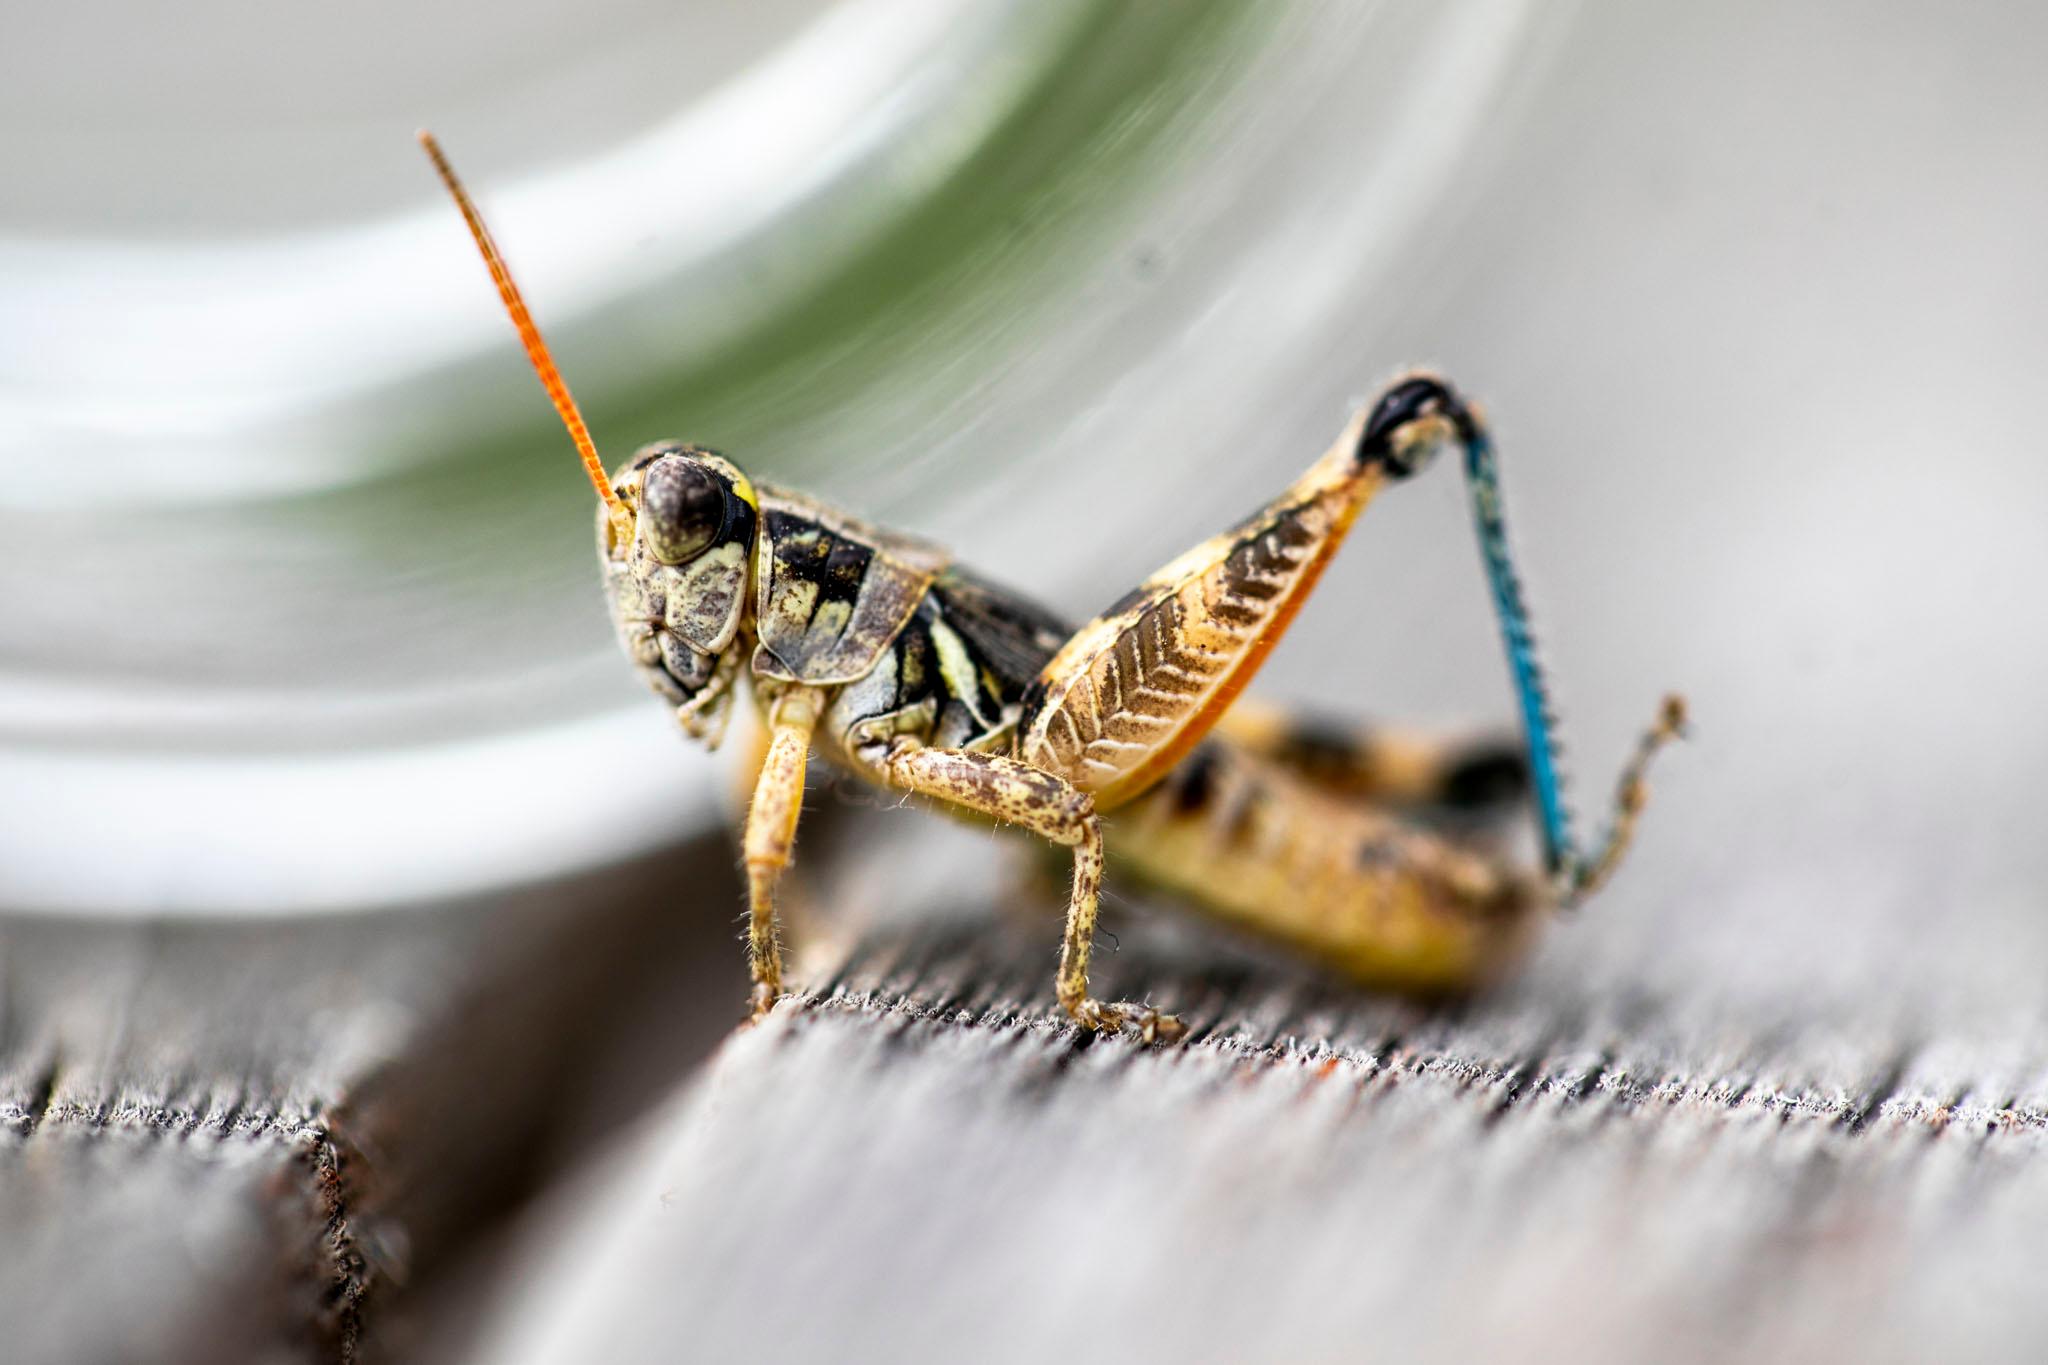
(1411, 419)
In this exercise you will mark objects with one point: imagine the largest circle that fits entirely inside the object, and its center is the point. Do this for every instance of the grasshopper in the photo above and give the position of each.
(878, 653)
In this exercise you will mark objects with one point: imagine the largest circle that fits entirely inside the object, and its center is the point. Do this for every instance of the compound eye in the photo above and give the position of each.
(682, 507)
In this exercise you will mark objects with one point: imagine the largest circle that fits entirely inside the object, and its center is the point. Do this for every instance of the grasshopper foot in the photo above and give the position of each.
(1149, 1024)
(761, 1001)
(1159, 1029)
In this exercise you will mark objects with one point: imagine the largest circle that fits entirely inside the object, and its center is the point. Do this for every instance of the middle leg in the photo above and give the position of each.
(1051, 807)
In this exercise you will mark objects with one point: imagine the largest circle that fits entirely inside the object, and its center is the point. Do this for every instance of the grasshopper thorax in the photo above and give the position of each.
(678, 580)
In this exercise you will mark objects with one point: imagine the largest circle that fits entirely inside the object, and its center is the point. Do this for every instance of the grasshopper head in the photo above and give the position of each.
(677, 570)
(682, 503)
(675, 529)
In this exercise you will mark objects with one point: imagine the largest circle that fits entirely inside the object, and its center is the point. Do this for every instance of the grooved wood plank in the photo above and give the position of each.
(921, 1161)
(242, 1139)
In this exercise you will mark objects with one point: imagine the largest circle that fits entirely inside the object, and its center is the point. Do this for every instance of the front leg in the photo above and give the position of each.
(1019, 794)
(771, 830)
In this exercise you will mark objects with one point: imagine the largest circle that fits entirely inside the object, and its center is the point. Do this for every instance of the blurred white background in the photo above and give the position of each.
(297, 584)
(298, 607)
(296, 600)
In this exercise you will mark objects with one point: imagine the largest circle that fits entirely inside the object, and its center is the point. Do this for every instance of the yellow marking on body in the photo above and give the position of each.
(832, 618)
(706, 596)
(1258, 725)
(1271, 854)
(957, 667)
(890, 589)
(792, 605)
(741, 484)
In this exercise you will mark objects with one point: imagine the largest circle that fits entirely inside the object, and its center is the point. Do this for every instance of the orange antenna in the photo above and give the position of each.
(529, 336)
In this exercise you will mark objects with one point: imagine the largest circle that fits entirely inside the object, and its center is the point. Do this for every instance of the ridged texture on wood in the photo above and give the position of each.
(927, 1164)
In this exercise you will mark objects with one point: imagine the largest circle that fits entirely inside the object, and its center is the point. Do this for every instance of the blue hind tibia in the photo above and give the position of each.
(1575, 872)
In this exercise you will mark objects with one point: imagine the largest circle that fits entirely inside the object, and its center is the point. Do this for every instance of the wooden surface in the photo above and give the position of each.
(246, 1140)
(322, 1141)
(1746, 288)
(921, 1161)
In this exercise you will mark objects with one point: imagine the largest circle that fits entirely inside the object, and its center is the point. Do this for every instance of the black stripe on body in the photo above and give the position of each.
(1012, 636)
(844, 568)
(830, 600)
(1470, 778)
(1321, 747)
(917, 663)
(937, 663)
(1216, 785)
(1192, 783)
(806, 552)
(1486, 775)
